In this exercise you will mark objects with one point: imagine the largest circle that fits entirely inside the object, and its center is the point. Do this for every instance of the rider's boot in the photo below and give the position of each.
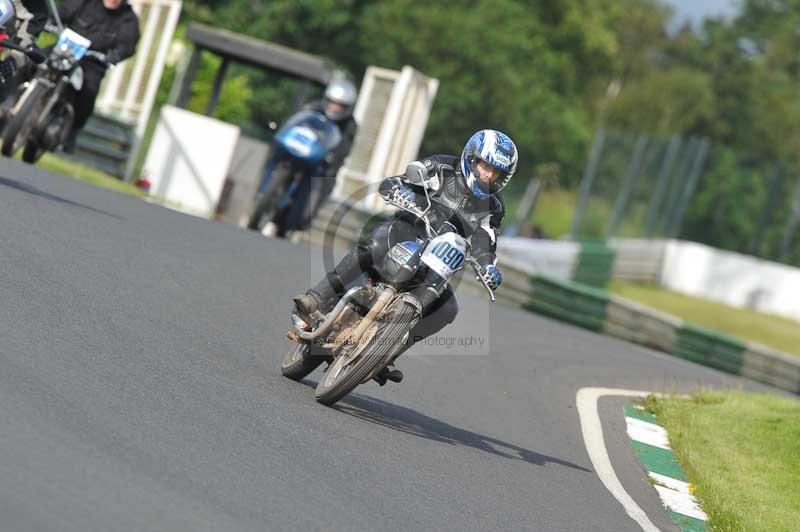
(329, 290)
(389, 373)
(320, 299)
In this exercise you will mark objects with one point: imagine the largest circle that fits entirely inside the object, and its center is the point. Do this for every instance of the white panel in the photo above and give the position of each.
(731, 278)
(638, 259)
(390, 130)
(189, 158)
(555, 258)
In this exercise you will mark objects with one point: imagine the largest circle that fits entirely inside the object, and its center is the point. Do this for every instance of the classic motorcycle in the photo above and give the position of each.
(299, 151)
(42, 114)
(372, 322)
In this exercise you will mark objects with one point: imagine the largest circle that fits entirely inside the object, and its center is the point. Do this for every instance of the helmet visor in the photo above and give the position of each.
(335, 110)
(490, 178)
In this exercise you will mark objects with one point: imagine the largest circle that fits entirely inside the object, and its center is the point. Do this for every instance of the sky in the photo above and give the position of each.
(695, 10)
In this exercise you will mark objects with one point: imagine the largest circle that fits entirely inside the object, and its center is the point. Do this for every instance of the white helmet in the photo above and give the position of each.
(6, 12)
(342, 94)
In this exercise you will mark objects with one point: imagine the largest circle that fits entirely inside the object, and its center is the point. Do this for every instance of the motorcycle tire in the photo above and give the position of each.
(300, 361)
(20, 124)
(340, 380)
(32, 152)
(265, 209)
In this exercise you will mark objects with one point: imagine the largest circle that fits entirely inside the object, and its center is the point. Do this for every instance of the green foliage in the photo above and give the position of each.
(549, 73)
(511, 66)
(233, 100)
(685, 98)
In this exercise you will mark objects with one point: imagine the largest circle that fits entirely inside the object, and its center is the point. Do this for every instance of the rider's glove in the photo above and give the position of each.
(447, 227)
(113, 57)
(491, 274)
(403, 195)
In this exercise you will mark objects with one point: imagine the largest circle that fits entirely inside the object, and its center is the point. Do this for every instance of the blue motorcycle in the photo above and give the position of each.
(291, 189)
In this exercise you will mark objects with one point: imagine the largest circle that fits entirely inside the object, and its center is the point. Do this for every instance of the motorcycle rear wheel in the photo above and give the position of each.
(32, 152)
(300, 361)
(341, 379)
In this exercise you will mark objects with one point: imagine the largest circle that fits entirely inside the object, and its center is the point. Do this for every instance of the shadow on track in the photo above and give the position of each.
(412, 422)
(28, 189)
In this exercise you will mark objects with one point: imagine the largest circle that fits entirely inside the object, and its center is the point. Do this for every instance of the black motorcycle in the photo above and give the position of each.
(42, 114)
(372, 322)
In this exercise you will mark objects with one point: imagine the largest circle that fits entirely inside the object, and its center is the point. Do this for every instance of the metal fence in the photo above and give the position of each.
(637, 185)
(644, 186)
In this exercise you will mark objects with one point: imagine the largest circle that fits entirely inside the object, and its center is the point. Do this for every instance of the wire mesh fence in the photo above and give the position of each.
(637, 185)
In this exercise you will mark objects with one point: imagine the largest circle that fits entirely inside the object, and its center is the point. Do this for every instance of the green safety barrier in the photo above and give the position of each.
(587, 307)
(710, 348)
(580, 305)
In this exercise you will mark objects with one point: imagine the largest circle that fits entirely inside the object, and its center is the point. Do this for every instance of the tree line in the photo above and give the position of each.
(550, 72)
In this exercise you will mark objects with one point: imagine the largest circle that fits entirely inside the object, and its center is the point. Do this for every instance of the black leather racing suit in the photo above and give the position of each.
(114, 32)
(473, 218)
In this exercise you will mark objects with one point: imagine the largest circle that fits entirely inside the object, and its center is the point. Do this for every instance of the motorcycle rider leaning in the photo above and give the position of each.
(467, 201)
(337, 104)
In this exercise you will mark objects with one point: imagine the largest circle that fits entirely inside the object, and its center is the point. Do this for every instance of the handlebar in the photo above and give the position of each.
(103, 58)
(99, 56)
(33, 52)
(416, 211)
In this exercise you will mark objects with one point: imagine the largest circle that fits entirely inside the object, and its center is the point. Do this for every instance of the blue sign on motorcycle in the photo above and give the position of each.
(74, 42)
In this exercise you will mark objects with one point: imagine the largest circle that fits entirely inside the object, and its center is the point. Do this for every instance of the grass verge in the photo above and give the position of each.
(740, 451)
(56, 164)
(773, 331)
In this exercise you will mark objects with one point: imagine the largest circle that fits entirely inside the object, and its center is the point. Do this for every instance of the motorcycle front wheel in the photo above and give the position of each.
(20, 123)
(388, 335)
(300, 361)
(265, 209)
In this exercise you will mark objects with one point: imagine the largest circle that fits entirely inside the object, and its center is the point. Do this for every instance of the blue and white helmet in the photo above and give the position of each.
(492, 147)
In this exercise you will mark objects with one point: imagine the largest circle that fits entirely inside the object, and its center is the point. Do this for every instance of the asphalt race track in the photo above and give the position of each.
(140, 390)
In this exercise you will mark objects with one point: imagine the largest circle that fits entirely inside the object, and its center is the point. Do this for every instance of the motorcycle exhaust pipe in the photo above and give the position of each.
(325, 326)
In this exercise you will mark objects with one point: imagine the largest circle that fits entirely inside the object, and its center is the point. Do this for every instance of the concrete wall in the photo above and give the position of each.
(554, 258)
(731, 278)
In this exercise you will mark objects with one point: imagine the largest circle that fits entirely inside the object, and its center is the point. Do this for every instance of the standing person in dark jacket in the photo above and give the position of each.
(113, 28)
(466, 200)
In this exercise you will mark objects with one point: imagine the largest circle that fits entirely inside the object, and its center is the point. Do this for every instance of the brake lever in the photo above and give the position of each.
(413, 209)
(477, 268)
